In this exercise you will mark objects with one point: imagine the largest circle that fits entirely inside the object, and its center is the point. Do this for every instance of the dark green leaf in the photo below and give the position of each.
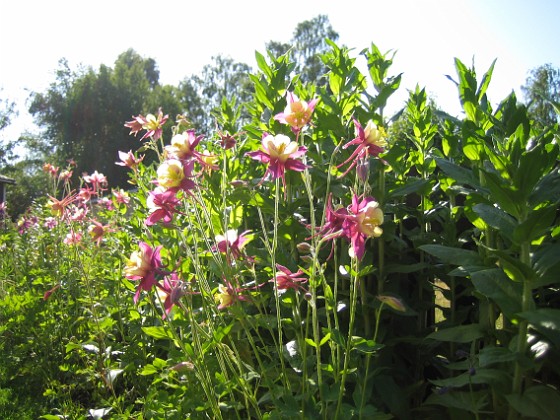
(497, 219)
(536, 224)
(494, 284)
(539, 402)
(458, 334)
(454, 256)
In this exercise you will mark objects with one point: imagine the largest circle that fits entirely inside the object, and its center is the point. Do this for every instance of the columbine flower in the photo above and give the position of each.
(209, 161)
(170, 174)
(227, 294)
(65, 175)
(50, 169)
(121, 197)
(152, 124)
(297, 113)
(128, 159)
(97, 231)
(227, 141)
(97, 180)
(370, 141)
(78, 213)
(107, 203)
(73, 238)
(50, 222)
(85, 194)
(59, 207)
(161, 205)
(286, 280)
(231, 242)
(183, 144)
(143, 265)
(362, 222)
(173, 289)
(48, 293)
(392, 302)
(279, 153)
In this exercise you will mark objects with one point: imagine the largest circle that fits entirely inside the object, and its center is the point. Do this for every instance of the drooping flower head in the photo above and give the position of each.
(143, 265)
(97, 230)
(73, 238)
(392, 302)
(50, 169)
(279, 153)
(97, 180)
(151, 123)
(297, 113)
(183, 145)
(228, 294)
(161, 205)
(363, 221)
(370, 141)
(232, 243)
(286, 280)
(173, 289)
(121, 196)
(129, 160)
(59, 208)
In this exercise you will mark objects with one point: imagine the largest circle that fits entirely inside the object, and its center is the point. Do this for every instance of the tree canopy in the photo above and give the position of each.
(542, 92)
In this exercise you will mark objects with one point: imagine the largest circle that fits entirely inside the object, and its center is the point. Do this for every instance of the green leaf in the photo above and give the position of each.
(458, 334)
(546, 263)
(536, 224)
(493, 355)
(412, 185)
(515, 269)
(338, 338)
(485, 81)
(458, 173)
(495, 377)
(365, 346)
(539, 402)
(494, 284)
(546, 321)
(460, 400)
(503, 194)
(453, 256)
(311, 342)
(157, 332)
(497, 219)
(148, 370)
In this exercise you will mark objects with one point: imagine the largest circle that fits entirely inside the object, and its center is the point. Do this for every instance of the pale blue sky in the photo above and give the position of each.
(182, 36)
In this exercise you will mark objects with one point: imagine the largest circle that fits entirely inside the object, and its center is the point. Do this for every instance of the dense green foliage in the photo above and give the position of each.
(382, 269)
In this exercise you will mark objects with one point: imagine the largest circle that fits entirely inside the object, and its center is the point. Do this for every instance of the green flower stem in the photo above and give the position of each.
(381, 241)
(353, 300)
(527, 303)
(276, 294)
(368, 357)
(313, 283)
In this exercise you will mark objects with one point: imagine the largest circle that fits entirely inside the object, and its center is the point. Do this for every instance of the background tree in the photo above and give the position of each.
(202, 95)
(7, 112)
(83, 111)
(306, 46)
(541, 91)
